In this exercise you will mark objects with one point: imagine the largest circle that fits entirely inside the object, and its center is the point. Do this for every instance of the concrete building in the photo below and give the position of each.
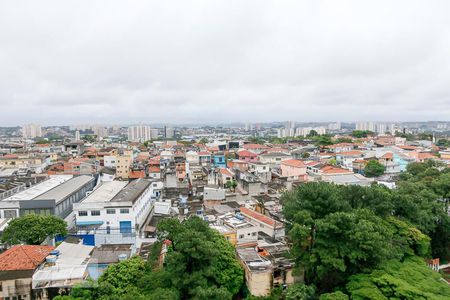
(139, 133)
(31, 131)
(116, 211)
(54, 196)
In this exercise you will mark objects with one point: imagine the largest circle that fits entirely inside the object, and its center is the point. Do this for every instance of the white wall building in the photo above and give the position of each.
(31, 131)
(139, 133)
(117, 210)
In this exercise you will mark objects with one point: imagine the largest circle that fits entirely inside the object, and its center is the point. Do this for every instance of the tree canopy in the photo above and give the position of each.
(338, 232)
(33, 229)
(199, 264)
(373, 168)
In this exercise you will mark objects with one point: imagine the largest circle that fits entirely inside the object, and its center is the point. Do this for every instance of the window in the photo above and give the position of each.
(82, 213)
(241, 236)
(254, 233)
(95, 213)
(124, 211)
(110, 211)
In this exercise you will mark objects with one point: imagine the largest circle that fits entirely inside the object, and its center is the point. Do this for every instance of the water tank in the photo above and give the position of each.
(122, 257)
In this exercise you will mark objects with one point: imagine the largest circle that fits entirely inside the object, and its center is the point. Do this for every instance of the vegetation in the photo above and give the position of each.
(231, 184)
(199, 264)
(362, 133)
(349, 240)
(33, 229)
(89, 138)
(374, 168)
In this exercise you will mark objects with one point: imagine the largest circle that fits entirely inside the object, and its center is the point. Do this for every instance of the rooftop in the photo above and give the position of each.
(40, 188)
(132, 191)
(105, 192)
(23, 257)
(64, 190)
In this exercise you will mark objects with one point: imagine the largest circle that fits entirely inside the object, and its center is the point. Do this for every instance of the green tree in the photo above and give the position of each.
(334, 296)
(123, 275)
(410, 280)
(203, 141)
(231, 184)
(373, 168)
(33, 229)
(361, 133)
(300, 291)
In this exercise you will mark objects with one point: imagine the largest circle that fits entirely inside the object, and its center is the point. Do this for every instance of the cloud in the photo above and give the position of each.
(223, 61)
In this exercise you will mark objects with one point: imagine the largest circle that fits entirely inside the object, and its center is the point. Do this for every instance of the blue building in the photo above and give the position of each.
(219, 160)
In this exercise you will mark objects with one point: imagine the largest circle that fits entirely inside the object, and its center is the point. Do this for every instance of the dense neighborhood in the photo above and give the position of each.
(354, 211)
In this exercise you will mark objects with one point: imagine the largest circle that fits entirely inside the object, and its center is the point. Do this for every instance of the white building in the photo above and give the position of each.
(116, 211)
(31, 131)
(139, 133)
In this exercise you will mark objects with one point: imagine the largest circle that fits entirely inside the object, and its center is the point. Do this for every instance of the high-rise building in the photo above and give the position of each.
(139, 133)
(100, 131)
(366, 126)
(334, 126)
(31, 131)
(77, 135)
(168, 132)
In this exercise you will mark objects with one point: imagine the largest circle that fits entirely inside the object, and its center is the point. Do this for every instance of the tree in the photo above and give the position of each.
(410, 279)
(123, 275)
(33, 229)
(373, 168)
(334, 296)
(361, 133)
(300, 291)
(231, 184)
(203, 141)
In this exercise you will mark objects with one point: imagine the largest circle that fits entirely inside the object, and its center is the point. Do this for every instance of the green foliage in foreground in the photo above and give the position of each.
(33, 229)
(411, 279)
(200, 264)
(342, 231)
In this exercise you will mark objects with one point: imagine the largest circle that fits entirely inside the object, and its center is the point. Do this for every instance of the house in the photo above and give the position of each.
(204, 158)
(213, 196)
(340, 147)
(225, 175)
(269, 226)
(261, 170)
(154, 172)
(256, 148)
(266, 267)
(65, 267)
(219, 160)
(274, 159)
(247, 156)
(17, 266)
(346, 158)
(192, 157)
(294, 169)
(245, 233)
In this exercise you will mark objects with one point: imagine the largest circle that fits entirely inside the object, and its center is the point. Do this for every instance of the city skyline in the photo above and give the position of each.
(202, 63)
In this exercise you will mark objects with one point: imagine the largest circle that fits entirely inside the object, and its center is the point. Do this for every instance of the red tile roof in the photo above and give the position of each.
(294, 163)
(24, 257)
(225, 172)
(137, 174)
(245, 153)
(256, 215)
(388, 155)
(334, 170)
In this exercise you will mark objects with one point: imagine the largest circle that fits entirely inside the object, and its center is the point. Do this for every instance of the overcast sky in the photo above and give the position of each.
(71, 62)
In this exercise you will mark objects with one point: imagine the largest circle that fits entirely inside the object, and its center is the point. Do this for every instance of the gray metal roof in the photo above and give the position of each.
(132, 191)
(64, 190)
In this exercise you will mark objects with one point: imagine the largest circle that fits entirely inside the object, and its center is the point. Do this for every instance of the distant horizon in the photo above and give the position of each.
(217, 123)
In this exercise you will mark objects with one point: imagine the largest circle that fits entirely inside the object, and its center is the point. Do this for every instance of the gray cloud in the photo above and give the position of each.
(67, 62)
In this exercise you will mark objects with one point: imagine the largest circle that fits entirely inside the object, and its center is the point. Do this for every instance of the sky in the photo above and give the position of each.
(123, 62)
